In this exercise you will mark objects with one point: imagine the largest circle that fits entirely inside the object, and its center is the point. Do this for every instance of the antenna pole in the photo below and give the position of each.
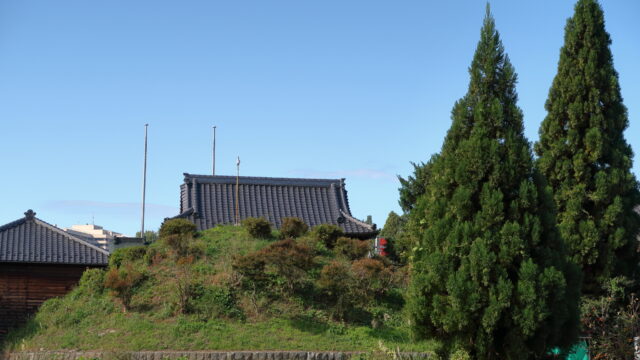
(238, 192)
(214, 150)
(144, 179)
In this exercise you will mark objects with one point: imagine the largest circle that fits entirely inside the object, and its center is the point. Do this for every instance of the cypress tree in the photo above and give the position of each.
(583, 153)
(489, 275)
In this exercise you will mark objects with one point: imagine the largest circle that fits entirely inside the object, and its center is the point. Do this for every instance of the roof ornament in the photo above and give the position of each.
(30, 214)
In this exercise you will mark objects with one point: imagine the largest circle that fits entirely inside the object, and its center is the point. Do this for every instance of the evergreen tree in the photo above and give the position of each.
(414, 185)
(584, 156)
(489, 275)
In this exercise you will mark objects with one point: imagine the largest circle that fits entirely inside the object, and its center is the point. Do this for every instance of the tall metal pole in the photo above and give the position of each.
(238, 192)
(214, 150)
(144, 180)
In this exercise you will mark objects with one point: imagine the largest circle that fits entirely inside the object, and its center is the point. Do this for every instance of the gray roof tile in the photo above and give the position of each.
(209, 200)
(31, 240)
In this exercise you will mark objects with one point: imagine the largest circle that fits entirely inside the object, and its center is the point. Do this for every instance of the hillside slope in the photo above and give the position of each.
(223, 289)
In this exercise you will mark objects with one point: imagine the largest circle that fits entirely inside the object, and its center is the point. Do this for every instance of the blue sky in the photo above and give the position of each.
(327, 89)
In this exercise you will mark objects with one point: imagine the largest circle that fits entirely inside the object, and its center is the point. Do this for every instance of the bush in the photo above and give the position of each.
(611, 321)
(336, 282)
(293, 227)
(251, 268)
(257, 227)
(351, 248)
(127, 254)
(372, 279)
(92, 282)
(122, 281)
(289, 261)
(181, 227)
(327, 234)
(212, 302)
(285, 262)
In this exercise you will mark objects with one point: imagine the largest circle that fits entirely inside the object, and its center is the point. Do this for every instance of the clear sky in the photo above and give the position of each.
(323, 89)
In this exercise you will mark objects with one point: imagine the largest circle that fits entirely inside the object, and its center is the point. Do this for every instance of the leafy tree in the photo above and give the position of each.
(489, 276)
(149, 236)
(585, 157)
(398, 240)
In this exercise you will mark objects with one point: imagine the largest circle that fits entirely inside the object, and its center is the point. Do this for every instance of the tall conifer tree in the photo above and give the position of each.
(489, 274)
(583, 153)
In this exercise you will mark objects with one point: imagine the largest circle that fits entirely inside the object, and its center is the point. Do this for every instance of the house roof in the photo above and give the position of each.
(208, 200)
(31, 240)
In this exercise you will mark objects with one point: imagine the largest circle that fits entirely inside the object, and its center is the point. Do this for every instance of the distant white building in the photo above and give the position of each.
(95, 235)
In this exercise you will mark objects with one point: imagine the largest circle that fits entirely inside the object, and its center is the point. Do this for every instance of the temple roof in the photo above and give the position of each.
(209, 200)
(31, 240)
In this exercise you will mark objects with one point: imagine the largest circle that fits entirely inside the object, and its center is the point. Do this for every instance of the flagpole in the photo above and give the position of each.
(238, 192)
(144, 180)
(214, 150)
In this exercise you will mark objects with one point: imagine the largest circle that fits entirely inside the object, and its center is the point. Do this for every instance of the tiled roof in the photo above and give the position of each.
(31, 240)
(210, 200)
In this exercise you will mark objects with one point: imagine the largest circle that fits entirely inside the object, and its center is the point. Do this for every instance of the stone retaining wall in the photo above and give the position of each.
(194, 355)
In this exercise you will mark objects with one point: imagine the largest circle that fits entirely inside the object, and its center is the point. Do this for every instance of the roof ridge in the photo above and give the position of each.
(12, 224)
(260, 178)
(72, 237)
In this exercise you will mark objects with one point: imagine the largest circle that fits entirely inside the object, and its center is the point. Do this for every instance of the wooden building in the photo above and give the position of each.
(39, 261)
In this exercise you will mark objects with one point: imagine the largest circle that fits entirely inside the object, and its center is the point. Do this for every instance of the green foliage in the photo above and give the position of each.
(181, 227)
(351, 248)
(257, 227)
(214, 302)
(489, 274)
(201, 303)
(149, 236)
(293, 227)
(284, 262)
(372, 278)
(399, 242)
(128, 254)
(122, 281)
(585, 157)
(414, 186)
(92, 282)
(336, 282)
(327, 234)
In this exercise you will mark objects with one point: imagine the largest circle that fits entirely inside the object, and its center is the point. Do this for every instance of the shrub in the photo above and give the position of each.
(184, 245)
(293, 227)
(182, 227)
(289, 261)
(214, 301)
(251, 268)
(92, 282)
(372, 278)
(127, 254)
(122, 281)
(257, 227)
(327, 234)
(336, 282)
(610, 321)
(284, 262)
(351, 248)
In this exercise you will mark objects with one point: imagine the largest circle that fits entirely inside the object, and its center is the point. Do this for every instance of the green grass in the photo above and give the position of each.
(90, 319)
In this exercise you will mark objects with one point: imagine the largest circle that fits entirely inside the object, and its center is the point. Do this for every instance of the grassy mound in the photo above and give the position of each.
(223, 289)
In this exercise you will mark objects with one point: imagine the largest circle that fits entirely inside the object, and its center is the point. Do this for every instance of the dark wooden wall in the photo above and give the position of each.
(24, 287)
